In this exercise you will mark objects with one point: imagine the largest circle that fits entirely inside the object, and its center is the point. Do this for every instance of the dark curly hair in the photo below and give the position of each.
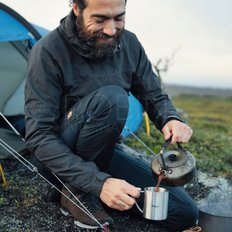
(81, 3)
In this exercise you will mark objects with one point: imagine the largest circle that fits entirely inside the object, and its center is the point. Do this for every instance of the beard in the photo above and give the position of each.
(98, 49)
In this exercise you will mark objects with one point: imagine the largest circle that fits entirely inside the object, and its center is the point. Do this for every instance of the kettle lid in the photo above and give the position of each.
(178, 165)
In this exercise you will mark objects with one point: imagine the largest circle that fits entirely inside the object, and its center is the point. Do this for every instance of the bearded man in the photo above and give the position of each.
(76, 105)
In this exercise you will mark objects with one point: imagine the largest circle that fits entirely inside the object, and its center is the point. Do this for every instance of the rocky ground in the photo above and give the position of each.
(23, 208)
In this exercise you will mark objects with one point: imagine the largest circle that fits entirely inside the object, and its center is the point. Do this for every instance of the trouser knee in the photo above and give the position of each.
(185, 214)
(96, 123)
(110, 103)
(190, 216)
(106, 106)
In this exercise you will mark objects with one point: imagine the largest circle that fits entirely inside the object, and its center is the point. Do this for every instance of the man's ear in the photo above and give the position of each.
(76, 9)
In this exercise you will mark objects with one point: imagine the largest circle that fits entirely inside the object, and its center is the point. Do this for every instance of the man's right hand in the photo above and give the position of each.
(119, 194)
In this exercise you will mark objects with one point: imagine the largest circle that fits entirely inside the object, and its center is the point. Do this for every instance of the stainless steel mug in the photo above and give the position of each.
(155, 204)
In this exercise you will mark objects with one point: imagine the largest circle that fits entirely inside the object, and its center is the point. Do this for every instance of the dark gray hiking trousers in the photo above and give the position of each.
(93, 135)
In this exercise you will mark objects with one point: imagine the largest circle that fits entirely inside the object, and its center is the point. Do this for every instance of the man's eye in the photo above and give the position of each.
(119, 19)
(100, 20)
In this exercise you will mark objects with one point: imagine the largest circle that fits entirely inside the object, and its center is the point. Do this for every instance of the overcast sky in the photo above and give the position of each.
(199, 32)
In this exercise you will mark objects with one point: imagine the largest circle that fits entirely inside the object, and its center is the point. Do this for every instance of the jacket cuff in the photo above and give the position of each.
(98, 183)
(174, 117)
(169, 118)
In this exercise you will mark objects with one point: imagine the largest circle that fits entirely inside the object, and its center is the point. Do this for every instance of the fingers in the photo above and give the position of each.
(127, 198)
(166, 132)
(124, 199)
(124, 203)
(118, 194)
(180, 131)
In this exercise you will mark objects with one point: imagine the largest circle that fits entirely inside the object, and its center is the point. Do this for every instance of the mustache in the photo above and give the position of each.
(99, 35)
(104, 36)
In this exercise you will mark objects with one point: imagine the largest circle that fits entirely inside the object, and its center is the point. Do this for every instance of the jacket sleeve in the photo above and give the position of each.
(147, 89)
(43, 94)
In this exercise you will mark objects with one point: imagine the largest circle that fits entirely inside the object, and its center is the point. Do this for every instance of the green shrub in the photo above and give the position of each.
(211, 143)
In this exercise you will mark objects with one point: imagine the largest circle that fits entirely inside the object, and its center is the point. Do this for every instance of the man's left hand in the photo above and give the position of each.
(179, 131)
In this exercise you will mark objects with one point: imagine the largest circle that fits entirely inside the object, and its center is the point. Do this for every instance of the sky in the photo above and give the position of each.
(197, 34)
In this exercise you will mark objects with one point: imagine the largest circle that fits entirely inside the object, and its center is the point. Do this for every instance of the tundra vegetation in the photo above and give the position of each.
(211, 120)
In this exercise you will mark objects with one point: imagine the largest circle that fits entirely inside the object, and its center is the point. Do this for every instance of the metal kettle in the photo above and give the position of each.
(178, 166)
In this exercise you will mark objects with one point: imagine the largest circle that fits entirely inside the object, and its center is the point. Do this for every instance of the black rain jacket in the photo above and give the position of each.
(62, 68)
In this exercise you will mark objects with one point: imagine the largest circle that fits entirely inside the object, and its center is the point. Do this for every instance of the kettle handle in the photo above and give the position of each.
(180, 146)
(167, 143)
(164, 146)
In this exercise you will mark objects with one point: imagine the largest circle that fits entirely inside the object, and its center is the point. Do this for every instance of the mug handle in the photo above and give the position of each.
(138, 205)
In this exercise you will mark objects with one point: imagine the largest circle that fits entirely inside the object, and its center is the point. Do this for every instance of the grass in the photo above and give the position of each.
(211, 143)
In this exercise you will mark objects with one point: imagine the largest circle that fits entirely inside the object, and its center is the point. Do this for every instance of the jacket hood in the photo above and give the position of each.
(69, 30)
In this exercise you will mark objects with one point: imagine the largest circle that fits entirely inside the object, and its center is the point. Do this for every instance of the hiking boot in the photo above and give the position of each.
(52, 195)
(81, 219)
(194, 228)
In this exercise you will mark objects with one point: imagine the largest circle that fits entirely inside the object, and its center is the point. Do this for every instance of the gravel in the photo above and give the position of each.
(24, 209)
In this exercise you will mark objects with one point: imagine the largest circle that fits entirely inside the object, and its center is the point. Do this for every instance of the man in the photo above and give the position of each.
(76, 106)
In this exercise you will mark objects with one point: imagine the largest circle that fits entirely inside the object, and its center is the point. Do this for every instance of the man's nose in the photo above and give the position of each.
(109, 28)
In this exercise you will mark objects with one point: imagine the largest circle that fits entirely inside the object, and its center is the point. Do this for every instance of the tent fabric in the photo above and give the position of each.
(12, 140)
(12, 71)
(16, 38)
(14, 27)
(15, 104)
(134, 118)
(42, 31)
(11, 29)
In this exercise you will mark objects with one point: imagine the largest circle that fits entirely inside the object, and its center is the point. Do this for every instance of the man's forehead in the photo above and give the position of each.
(104, 1)
(107, 7)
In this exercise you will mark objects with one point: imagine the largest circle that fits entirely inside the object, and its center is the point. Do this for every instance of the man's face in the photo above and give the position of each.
(101, 24)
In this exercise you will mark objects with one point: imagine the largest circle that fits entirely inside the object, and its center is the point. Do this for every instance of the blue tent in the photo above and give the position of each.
(17, 37)
(15, 28)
